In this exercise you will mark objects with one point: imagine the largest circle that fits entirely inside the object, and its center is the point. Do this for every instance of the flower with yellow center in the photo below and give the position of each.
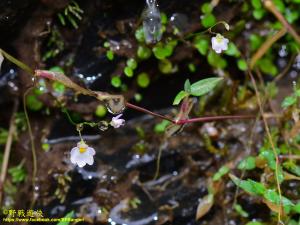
(219, 43)
(82, 154)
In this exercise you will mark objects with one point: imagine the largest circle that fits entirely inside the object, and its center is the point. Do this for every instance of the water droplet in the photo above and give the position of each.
(115, 105)
(103, 125)
(152, 22)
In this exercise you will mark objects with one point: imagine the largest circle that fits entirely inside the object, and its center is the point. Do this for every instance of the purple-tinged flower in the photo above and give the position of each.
(116, 122)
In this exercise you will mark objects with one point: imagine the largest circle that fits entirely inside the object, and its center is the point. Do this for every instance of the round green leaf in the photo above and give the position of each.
(128, 71)
(100, 111)
(242, 64)
(143, 52)
(143, 80)
(208, 20)
(33, 103)
(116, 81)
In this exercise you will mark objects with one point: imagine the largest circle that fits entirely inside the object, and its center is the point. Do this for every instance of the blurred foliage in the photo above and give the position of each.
(72, 13)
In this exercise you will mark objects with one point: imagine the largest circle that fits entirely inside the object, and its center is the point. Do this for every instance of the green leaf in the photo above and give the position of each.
(58, 87)
(255, 41)
(17, 173)
(106, 44)
(238, 208)
(232, 50)
(242, 64)
(163, 51)
(292, 167)
(256, 4)
(164, 18)
(192, 67)
(57, 69)
(116, 81)
(273, 197)
(216, 60)
(267, 66)
(221, 172)
(143, 52)
(165, 66)
(33, 103)
(247, 164)
(161, 127)
(132, 63)
(289, 101)
(181, 95)
(206, 8)
(202, 45)
(269, 156)
(279, 5)
(250, 186)
(143, 80)
(291, 16)
(208, 20)
(110, 55)
(258, 13)
(187, 86)
(128, 71)
(296, 208)
(69, 215)
(139, 35)
(204, 86)
(254, 223)
(46, 147)
(100, 111)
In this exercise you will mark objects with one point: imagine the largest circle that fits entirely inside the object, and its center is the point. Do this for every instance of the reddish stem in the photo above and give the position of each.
(138, 108)
(214, 118)
(193, 120)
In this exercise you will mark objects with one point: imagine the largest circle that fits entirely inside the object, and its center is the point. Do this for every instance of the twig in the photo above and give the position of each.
(272, 8)
(270, 140)
(12, 129)
(17, 62)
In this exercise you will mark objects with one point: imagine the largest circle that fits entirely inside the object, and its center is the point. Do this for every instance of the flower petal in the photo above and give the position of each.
(91, 151)
(90, 160)
(81, 163)
(74, 155)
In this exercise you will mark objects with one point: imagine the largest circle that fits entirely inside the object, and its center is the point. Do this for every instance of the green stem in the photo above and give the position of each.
(34, 163)
(18, 63)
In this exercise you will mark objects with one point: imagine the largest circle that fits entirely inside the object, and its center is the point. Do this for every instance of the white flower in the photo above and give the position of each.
(219, 43)
(116, 122)
(82, 154)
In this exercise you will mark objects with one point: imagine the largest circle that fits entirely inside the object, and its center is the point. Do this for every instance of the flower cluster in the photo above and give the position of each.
(82, 154)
